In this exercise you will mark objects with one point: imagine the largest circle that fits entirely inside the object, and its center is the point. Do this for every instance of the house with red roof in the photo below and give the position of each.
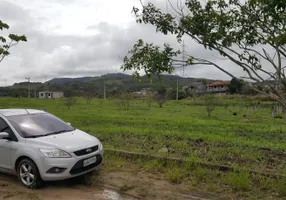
(218, 86)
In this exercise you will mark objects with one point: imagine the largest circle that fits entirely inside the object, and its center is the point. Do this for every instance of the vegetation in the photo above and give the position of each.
(69, 102)
(247, 33)
(184, 128)
(255, 142)
(7, 43)
(235, 86)
(210, 103)
(160, 97)
(89, 87)
(216, 184)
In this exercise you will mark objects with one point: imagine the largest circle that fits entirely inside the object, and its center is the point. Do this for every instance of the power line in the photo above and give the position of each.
(104, 90)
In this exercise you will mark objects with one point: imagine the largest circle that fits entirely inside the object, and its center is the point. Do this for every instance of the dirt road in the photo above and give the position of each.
(117, 185)
(11, 189)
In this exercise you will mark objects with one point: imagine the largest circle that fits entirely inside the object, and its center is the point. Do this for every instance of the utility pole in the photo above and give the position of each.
(104, 90)
(29, 87)
(183, 55)
(177, 94)
(183, 74)
(35, 93)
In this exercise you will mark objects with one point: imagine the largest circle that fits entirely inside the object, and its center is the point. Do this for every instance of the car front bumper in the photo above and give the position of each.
(73, 166)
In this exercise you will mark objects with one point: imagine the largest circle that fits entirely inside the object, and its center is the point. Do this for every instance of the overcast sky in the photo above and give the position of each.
(73, 38)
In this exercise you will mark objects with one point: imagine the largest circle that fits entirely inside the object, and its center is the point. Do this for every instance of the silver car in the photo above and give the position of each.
(37, 146)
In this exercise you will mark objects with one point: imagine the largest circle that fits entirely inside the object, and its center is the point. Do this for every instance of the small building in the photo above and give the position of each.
(50, 95)
(195, 88)
(218, 86)
(142, 92)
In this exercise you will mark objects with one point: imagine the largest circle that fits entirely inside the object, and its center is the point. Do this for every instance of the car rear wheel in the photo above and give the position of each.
(28, 174)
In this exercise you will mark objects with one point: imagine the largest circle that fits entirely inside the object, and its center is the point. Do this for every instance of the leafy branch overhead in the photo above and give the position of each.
(7, 42)
(152, 59)
(251, 34)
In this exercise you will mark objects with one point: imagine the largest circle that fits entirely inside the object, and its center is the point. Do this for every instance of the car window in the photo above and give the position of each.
(4, 127)
(33, 125)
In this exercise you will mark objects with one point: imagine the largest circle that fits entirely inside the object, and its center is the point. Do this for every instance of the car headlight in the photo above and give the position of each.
(100, 146)
(55, 153)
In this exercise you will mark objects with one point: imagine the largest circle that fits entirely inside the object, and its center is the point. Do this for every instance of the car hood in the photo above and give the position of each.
(70, 141)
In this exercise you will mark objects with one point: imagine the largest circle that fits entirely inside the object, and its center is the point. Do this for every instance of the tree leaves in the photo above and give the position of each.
(3, 25)
(149, 58)
(17, 38)
(5, 45)
(231, 27)
(245, 32)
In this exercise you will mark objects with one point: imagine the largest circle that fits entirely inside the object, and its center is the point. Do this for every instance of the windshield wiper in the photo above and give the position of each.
(34, 136)
(57, 132)
(47, 134)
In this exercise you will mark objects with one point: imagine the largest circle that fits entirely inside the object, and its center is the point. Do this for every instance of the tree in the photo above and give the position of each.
(210, 102)
(70, 101)
(235, 86)
(89, 96)
(7, 43)
(125, 100)
(160, 96)
(251, 34)
(172, 94)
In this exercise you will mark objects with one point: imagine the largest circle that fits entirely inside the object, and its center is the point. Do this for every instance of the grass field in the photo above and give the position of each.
(256, 142)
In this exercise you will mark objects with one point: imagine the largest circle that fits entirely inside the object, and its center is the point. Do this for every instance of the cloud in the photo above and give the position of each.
(83, 38)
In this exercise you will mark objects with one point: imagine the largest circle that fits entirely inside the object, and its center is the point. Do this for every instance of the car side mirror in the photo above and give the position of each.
(68, 123)
(4, 135)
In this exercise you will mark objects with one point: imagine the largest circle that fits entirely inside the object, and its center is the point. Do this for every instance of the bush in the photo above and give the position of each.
(69, 102)
(210, 102)
(175, 175)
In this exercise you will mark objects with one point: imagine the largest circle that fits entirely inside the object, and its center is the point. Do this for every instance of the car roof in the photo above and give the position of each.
(11, 112)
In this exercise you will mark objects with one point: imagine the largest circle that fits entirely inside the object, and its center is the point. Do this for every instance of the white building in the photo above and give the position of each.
(142, 92)
(50, 95)
(218, 86)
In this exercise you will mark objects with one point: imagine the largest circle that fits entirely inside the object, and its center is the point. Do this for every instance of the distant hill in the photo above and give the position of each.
(124, 79)
(117, 82)
(62, 81)
(114, 83)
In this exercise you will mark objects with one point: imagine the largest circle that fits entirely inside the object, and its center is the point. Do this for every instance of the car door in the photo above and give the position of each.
(5, 146)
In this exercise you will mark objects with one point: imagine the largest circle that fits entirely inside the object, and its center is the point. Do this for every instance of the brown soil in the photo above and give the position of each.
(103, 185)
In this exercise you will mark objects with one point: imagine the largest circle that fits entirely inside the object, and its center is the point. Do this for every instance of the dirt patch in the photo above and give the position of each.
(144, 185)
(11, 189)
(102, 185)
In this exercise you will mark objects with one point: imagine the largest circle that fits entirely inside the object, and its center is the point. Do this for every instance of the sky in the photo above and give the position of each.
(74, 38)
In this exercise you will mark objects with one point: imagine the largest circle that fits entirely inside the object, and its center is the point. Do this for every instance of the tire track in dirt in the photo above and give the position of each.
(103, 185)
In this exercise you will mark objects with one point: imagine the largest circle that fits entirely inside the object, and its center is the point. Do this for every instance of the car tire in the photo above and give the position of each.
(28, 174)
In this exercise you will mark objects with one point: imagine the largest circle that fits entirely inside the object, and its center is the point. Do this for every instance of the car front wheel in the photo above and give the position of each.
(28, 173)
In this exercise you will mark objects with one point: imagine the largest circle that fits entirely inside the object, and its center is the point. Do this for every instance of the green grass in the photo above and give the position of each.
(239, 181)
(281, 187)
(256, 142)
(175, 175)
(223, 185)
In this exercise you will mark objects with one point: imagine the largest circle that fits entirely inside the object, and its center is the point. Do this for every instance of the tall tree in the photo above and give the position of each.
(235, 86)
(9, 41)
(251, 34)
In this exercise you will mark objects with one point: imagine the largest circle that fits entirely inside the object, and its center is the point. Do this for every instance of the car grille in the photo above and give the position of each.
(86, 151)
(78, 167)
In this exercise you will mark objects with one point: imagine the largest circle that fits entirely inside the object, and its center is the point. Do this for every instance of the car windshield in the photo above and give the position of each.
(38, 125)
